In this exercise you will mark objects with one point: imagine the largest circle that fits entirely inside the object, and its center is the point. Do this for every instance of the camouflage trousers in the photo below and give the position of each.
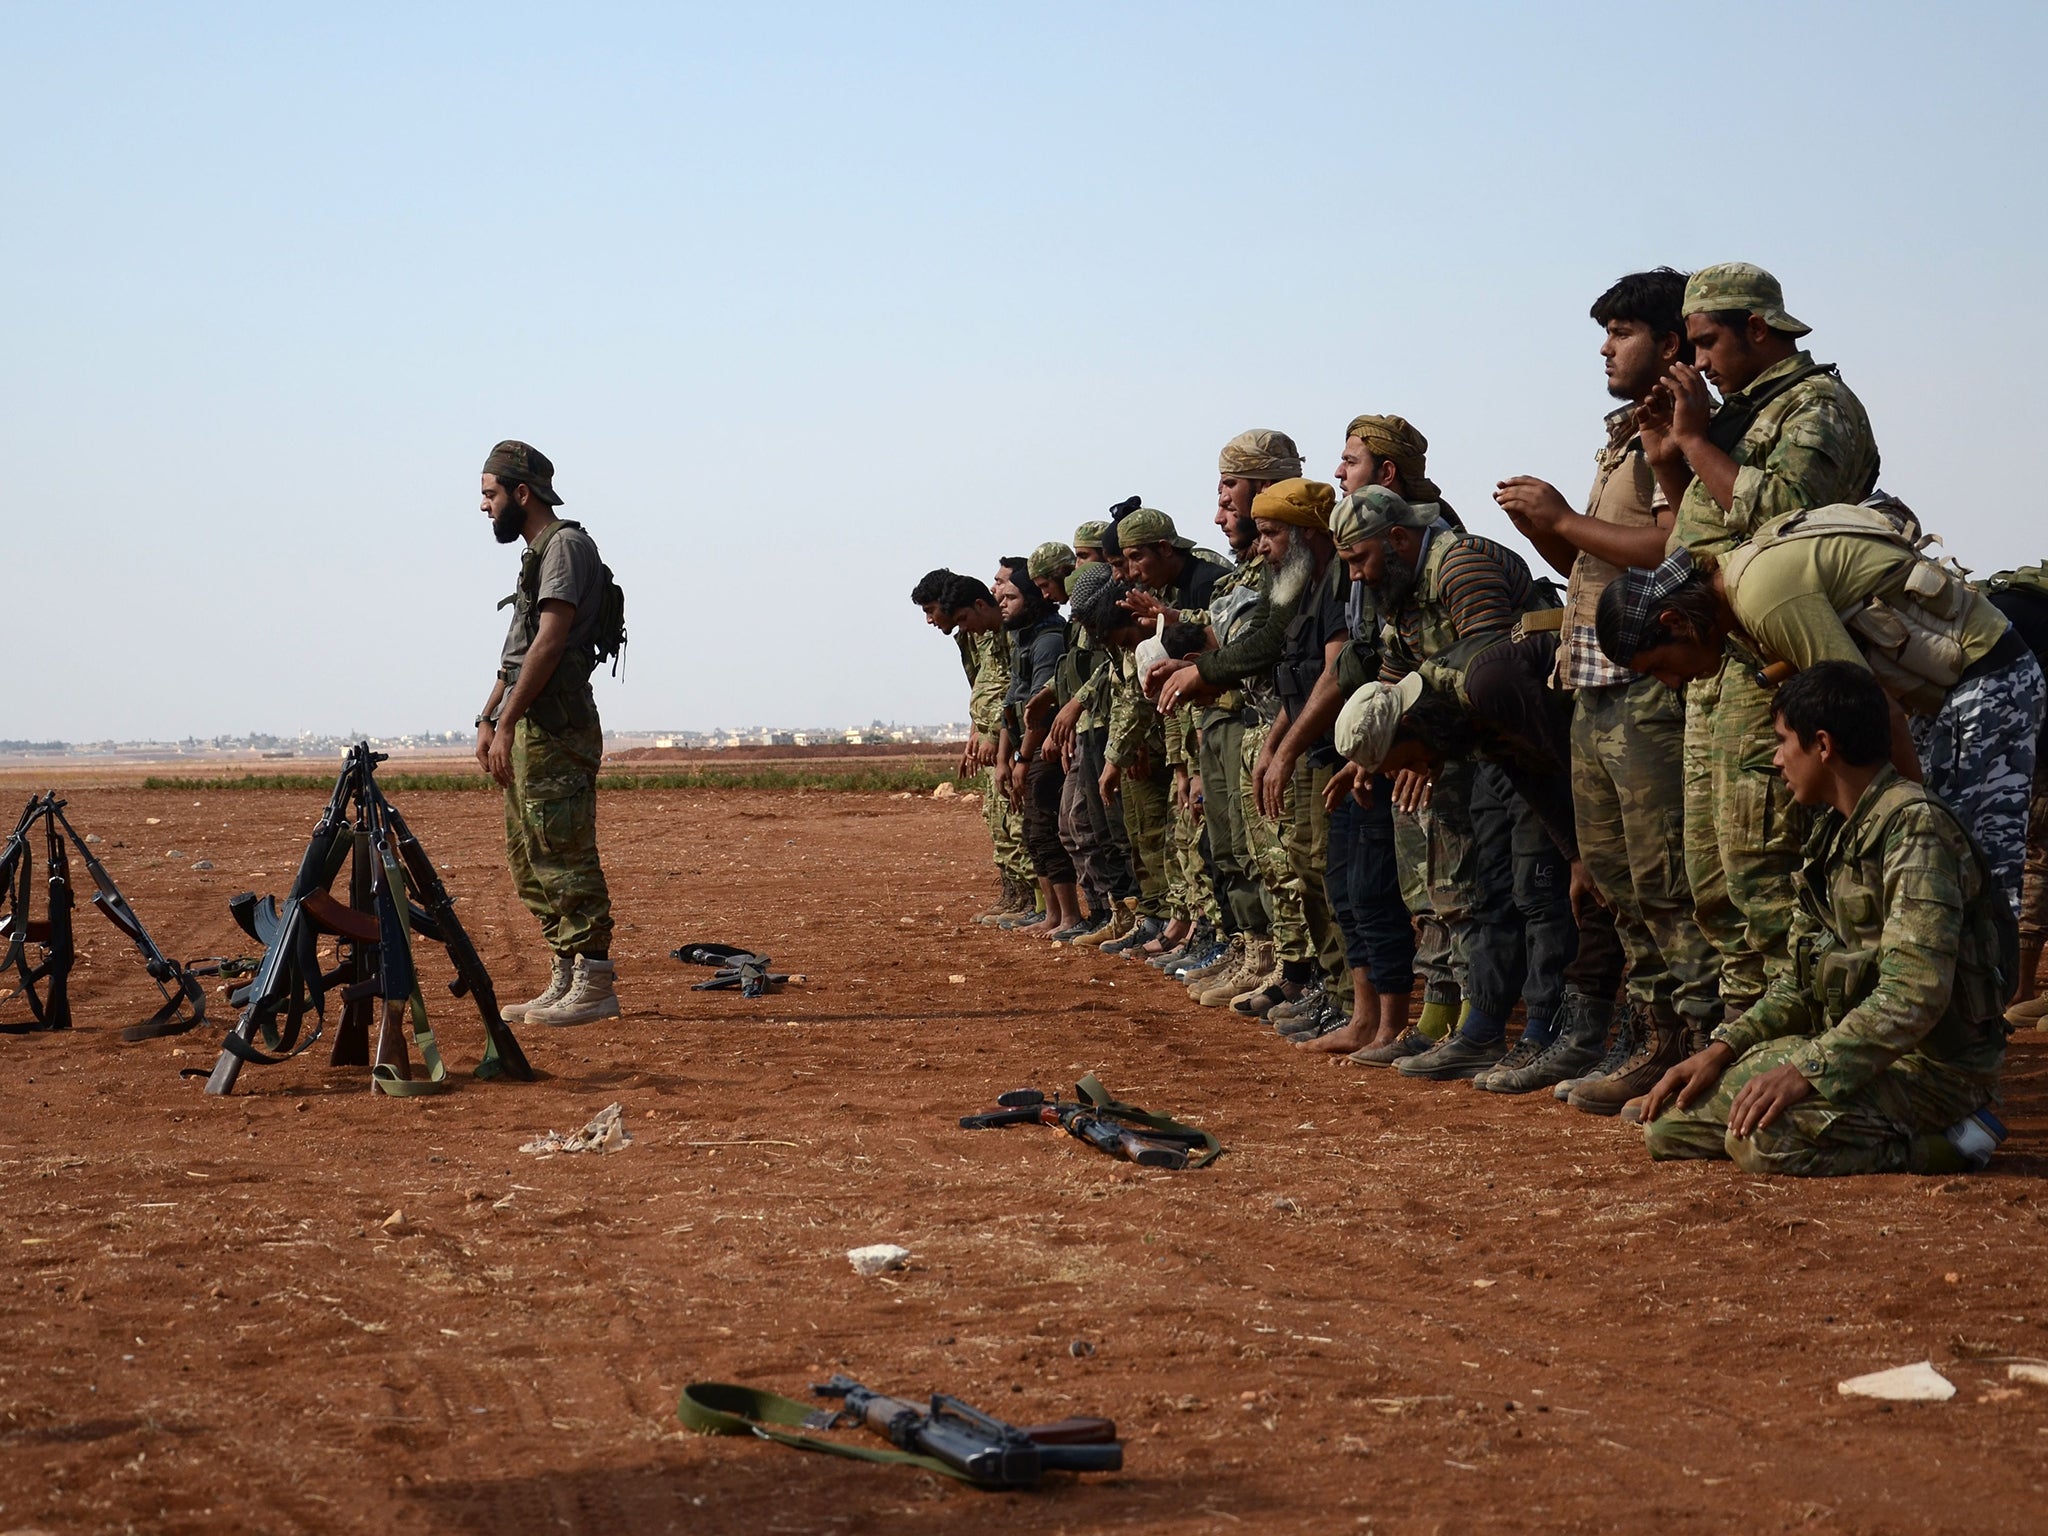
(1872, 1131)
(1190, 894)
(1743, 832)
(1005, 830)
(551, 836)
(2034, 896)
(1436, 956)
(1628, 802)
(1977, 754)
(1148, 820)
(1239, 893)
(1293, 854)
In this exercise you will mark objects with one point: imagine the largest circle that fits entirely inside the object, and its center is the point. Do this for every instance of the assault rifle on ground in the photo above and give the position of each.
(977, 1446)
(394, 893)
(1123, 1131)
(46, 983)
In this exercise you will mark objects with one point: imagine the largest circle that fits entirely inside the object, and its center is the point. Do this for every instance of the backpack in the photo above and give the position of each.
(608, 638)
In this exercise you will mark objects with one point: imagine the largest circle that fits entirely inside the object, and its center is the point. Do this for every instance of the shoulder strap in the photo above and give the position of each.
(529, 573)
(1733, 419)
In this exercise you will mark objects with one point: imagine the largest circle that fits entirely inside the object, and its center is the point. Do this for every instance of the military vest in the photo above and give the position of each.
(1435, 631)
(1841, 888)
(1913, 641)
(565, 701)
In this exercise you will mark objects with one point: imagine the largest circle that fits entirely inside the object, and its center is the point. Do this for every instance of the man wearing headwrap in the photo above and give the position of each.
(1788, 434)
(540, 738)
(975, 614)
(1628, 733)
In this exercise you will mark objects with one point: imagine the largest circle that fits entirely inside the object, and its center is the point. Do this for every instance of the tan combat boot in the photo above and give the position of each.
(1119, 926)
(1258, 960)
(1231, 958)
(1662, 1047)
(590, 997)
(558, 983)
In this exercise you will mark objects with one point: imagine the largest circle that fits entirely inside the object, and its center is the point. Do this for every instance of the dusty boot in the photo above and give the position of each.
(1231, 958)
(1662, 1048)
(1121, 922)
(1258, 960)
(590, 997)
(1008, 904)
(1581, 1038)
(558, 983)
(1628, 1030)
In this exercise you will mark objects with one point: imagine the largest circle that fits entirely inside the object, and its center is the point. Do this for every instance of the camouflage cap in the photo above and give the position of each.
(515, 462)
(1148, 525)
(1366, 724)
(1371, 512)
(1086, 580)
(1049, 558)
(1089, 535)
(1300, 503)
(1740, 285)
(1260, 454)
(1393, 439)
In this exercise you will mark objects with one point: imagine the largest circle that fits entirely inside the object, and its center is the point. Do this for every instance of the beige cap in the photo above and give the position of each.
(1370, 717)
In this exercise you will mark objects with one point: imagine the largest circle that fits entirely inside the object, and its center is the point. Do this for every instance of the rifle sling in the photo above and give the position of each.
(1092, 1093)
(720, 1408)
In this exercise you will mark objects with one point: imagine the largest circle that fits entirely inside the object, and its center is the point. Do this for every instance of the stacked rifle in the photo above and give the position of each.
(45, 980)
(394, 895)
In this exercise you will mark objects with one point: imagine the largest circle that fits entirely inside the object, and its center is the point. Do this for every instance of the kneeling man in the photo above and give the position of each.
(1878, 1049)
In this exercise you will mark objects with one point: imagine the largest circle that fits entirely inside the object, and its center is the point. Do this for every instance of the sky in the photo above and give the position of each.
(804, 301)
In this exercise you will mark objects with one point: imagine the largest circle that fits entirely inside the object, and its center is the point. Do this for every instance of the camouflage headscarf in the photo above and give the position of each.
(1049, 559)
(1393, 439)
(514, 462)
(1371, 512)
(1260, 454)
(1301, 503)
(1089, 535)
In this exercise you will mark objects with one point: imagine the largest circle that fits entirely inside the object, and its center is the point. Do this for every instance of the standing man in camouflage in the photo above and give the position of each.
(1628, 732)
(540, 738)
(1788, 435)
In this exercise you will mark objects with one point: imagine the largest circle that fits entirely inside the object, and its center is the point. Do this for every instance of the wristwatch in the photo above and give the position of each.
(483, 720)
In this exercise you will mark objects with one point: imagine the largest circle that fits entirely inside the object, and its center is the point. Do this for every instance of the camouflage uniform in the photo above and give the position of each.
(1627, 764)
(1806, 445)
(1891, 1007)
(557, 747)
(985, 710)
(1238, 891)
(1137, 739)
(1190, 895)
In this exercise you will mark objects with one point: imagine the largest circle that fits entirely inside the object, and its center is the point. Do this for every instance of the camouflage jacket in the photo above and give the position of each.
(1900, 943)
(991, 682)
(1134, 725)
(1807, 446)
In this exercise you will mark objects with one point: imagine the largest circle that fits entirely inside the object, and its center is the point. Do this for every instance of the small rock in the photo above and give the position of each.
(1283, 1204)
(902, 795)
(2034, 1375)
(1080, 1349)
(92, 837)
(172, 853)
(395, 1222)
(204, 864)
(877, 1257)
(944, 792)
(1950, 1278)
(1916, 1383)
(150, 821)
(957, 979)
(906, 921)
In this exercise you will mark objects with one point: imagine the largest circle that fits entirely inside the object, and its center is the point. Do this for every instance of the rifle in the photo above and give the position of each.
(736, 968)
(52, 1008)
(976, 1446)
(1149, 1149)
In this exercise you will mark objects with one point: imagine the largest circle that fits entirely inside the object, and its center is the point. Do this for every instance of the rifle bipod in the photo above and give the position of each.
(394, 895)
(47, 983)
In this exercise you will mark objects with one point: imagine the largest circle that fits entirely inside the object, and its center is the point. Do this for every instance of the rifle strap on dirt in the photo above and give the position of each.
(720, 1408)
(1091, 1092)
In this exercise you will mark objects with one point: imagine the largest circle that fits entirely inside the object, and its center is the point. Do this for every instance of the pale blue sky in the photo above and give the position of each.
(804, 300)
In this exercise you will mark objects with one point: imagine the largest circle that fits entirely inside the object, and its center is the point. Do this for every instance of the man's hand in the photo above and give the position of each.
(484, 733)
(1147, 607)
(984, 751)
(1273, 781)
(1111, 777)
(1585, 894)
(1180, 683)
(1013, 784)
(1532, 504)
(1191, 797)
(1060, 738)
(1345, 782)
(1766, 1096)
(1691, 404)
(1411, 790)
(1688, 1082)
(498, 758)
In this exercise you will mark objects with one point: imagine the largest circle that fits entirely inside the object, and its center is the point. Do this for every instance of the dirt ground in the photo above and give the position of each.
(1392, 1307)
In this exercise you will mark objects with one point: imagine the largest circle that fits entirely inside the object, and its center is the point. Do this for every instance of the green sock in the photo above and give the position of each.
(1935, 1153)
(1436, 1020)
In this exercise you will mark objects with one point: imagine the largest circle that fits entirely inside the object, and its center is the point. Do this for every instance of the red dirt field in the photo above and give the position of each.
(1392, 1307)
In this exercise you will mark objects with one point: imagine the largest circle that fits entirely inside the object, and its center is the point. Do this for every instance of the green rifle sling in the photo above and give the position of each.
(1092, 1093)
(721, 1408)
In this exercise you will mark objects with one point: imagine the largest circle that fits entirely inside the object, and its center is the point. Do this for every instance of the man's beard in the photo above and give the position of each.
(1297, 570)
(1397, 580)
(507, 525)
